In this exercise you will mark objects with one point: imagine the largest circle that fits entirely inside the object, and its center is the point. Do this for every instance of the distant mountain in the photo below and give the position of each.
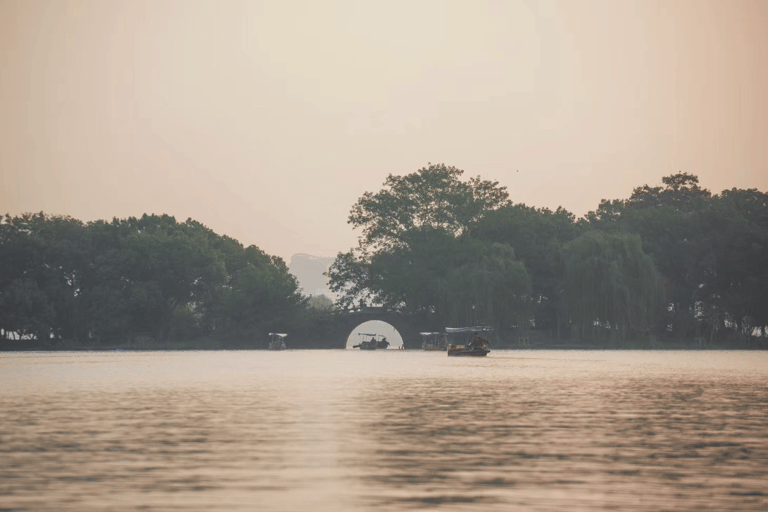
(309, 271)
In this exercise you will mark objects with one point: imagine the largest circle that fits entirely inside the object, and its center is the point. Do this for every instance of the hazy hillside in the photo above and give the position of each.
(309, 271)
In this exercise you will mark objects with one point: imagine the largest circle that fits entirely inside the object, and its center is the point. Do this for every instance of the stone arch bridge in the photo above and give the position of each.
(335, 334)
(409, 326)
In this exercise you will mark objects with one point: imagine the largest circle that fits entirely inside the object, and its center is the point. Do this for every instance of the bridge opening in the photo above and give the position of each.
(376, 327)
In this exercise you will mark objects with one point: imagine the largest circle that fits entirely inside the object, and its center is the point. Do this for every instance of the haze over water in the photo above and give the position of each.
(387, 430)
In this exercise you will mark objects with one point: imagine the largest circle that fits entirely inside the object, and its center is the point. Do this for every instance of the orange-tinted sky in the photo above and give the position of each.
(266, 121)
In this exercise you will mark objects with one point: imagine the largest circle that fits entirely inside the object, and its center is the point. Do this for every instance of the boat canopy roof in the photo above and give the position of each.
(278, 334)
(430, 333)
(366, 334)
(477, 328)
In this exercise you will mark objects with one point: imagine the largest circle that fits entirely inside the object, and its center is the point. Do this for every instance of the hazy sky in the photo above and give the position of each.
(266, 121)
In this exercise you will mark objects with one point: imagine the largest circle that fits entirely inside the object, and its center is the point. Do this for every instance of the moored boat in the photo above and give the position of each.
(277, 341)
(433, 341)
(477, 346)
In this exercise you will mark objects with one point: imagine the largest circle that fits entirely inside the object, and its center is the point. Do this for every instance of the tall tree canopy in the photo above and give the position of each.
(735, 289)
(537, 236)
(681, 191)
(710, 249)
(416, 253)
(433, 197)
(41, 272)
(149, 277)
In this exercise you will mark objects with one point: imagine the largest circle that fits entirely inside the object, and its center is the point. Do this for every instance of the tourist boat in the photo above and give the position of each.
(433, 341)
(371, 342)
(476, 346)
(277, 341)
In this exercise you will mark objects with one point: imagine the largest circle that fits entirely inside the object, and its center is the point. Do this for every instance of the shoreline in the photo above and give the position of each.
(669, 347)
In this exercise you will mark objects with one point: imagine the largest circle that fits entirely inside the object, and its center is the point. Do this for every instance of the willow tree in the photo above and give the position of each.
(538, 236)
(610, 282)
(489, 287)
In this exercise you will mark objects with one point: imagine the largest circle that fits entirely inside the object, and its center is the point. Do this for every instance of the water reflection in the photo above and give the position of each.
(586, 444)
(345, 430)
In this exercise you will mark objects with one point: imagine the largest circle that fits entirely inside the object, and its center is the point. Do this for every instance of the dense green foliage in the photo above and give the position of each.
(417, 253)
(609, 282)
(134, 281)
(537, 236)
(711, 249)
(671, 261)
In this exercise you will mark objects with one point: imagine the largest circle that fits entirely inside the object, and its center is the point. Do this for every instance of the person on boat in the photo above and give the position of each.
(477, 341)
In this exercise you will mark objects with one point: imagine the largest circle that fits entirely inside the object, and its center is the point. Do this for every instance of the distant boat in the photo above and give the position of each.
(277, 341)
(433, 341)
(476, 346)
(371, 342)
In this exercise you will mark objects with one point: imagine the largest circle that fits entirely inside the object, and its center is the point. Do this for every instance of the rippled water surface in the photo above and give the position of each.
(345, 430)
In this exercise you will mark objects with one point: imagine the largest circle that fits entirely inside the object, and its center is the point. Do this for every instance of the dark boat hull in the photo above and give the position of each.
(467, 353)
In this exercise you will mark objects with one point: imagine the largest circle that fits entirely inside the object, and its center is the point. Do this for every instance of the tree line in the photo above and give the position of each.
(137, 282)
(670, 262)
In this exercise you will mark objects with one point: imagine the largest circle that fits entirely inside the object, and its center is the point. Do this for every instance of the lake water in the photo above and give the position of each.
(344, 430)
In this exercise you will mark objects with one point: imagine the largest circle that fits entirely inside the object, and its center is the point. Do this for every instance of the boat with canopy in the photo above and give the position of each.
(277, 341)
(371, 342)
(433, 341)
(475, 346)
